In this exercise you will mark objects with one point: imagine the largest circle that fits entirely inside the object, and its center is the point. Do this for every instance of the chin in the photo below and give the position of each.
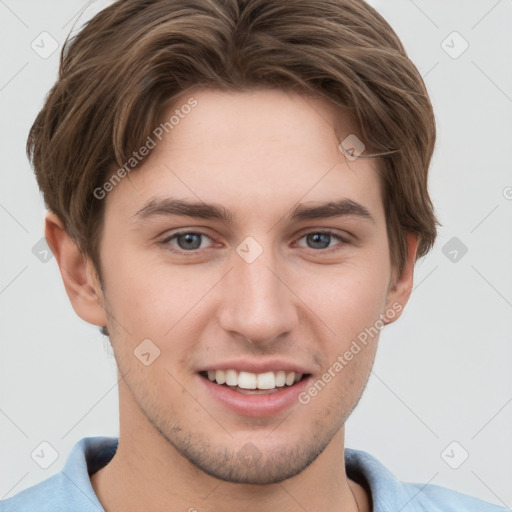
(252, 467)
(256, 463)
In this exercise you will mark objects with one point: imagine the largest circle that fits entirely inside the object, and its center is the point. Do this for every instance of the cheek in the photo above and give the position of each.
(349, 298)
(351, 309)
(350, 305)
(152, 299)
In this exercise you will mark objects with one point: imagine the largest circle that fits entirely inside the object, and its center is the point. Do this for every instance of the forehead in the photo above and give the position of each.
(262, 119)
(252, 149)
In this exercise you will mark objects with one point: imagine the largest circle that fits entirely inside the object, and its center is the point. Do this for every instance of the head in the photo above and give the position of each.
(295, 245)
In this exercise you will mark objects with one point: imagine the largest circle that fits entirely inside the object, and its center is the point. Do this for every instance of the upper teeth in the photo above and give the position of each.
(247, 380)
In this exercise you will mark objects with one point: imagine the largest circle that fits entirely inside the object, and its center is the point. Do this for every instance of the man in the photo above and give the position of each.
(237, 195)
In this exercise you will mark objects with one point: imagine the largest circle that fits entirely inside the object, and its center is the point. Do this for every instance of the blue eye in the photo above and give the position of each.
(193, 241)
(319, 240)
(187, 240)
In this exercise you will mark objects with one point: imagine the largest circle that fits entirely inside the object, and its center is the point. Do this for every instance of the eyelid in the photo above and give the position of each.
(171, 234)
(343, 240)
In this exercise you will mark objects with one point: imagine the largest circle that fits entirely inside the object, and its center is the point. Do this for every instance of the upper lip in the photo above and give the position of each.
(254, 366)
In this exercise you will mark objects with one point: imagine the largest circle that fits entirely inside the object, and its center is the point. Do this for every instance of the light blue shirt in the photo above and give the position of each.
(71, 489)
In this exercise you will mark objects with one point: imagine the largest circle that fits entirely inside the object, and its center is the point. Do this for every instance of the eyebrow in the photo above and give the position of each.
(341, 208)
(179, 207)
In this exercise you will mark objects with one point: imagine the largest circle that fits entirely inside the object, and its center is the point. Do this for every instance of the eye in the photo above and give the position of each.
(319, 240)
(187, 241)
(192, 241)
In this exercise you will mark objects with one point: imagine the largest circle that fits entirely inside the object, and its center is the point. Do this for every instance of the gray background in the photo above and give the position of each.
(442, 373)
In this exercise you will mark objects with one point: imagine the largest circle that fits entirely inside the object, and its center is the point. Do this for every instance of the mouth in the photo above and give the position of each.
(249, 383)
(255, 388)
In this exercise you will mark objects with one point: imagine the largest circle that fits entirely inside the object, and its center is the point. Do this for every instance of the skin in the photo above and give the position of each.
(262, 151)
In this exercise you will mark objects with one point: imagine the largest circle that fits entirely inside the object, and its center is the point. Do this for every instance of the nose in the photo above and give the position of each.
(257, 301)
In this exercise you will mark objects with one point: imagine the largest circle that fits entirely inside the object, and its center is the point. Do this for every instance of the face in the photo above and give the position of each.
(248, 249)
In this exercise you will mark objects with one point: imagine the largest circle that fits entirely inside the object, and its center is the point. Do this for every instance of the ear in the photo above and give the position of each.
(77, 271)
(401, 287)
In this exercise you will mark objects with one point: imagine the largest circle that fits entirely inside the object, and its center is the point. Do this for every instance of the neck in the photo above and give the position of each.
(147, 473)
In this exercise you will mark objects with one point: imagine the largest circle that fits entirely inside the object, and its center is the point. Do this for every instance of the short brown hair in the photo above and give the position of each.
(133, 58)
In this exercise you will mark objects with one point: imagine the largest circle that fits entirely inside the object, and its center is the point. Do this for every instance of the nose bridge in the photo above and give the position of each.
(256, 303)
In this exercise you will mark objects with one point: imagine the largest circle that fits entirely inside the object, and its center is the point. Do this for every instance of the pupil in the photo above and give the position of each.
(319, 240)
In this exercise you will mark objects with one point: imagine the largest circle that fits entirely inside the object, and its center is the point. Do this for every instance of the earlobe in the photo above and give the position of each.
(77, 271)
(401, 289)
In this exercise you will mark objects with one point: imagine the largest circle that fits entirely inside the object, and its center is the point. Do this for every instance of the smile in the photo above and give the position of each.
(253, 383)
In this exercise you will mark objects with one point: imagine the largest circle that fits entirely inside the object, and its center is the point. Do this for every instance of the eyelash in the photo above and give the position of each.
(168, 246)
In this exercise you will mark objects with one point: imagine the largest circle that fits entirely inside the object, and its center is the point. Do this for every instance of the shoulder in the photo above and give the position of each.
(70, 489)
(436, 498)
(389, 493)
(49, 495)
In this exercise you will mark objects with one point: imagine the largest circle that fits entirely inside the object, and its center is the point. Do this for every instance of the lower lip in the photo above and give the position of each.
(256, 405)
